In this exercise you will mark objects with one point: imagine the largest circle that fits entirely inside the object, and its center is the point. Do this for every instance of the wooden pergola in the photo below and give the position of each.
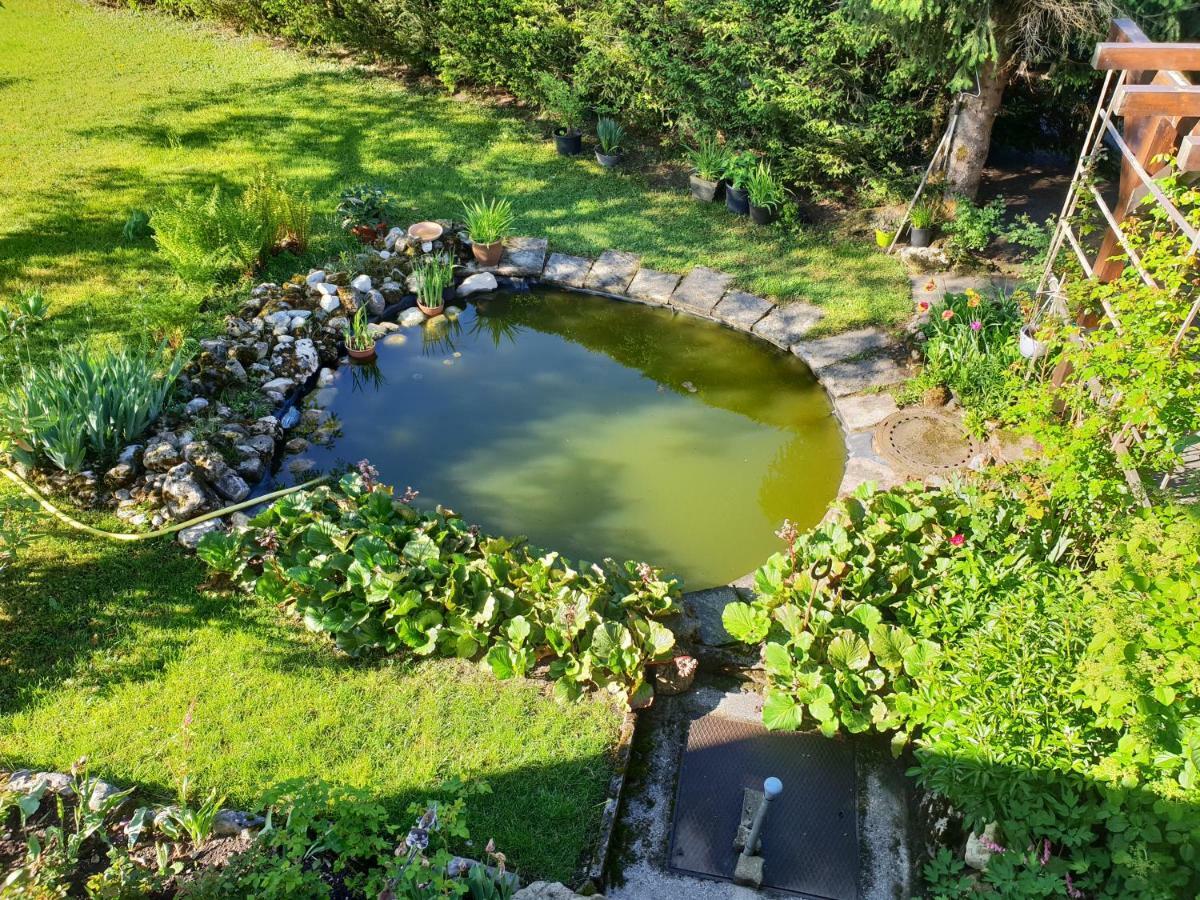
(1151, 88)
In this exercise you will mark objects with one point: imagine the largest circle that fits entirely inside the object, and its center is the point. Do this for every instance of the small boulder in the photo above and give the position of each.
(316, 276)
(411, 317)
(160, 457)
(330, 303)
(195, 405)
(183, 493)
(190, 537)
(477, 284)
(362, 284)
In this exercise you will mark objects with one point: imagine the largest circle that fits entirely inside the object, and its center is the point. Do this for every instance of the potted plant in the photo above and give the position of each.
(366, 210)
(565, 101)
(738, 169)
(1028, 343)
(435, 275)
(765, 194)
(709, 160)
(922, 220)
(610, 135)
(489, 222)
(360, 343)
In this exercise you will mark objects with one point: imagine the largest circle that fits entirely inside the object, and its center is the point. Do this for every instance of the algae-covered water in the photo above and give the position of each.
(597, 428)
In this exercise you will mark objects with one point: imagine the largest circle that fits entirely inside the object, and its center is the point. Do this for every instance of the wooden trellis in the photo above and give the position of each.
(1151, 87)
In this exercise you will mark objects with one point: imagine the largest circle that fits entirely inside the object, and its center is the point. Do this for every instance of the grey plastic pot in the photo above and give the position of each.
(609, 160)
(762, 215)
(920, 237)
(702, 189)
(568, 144)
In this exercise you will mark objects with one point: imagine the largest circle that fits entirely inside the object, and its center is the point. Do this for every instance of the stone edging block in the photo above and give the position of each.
(741, 310)
(569, 270)
(700, 290)
(613, 271)
(651, 286)
(827, 351)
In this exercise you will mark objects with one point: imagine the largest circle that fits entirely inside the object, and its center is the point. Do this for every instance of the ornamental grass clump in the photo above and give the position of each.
(86, 405)
(487, 220)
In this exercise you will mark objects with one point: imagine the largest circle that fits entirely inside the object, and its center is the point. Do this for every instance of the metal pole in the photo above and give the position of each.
(772, 788)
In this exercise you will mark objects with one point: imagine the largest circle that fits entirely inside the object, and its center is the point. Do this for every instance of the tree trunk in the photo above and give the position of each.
(973, 133)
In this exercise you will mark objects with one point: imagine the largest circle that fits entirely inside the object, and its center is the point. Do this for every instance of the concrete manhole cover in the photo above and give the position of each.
(925, 441)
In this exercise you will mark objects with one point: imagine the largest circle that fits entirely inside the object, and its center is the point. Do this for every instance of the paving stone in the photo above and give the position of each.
(862, 411)
(786, 325)
(523, 256)
(852, 376)
(741, 310)
(569, 270)
(652, 286)
(613, 271)
(861, 470)
(826, 351)
(700, 290)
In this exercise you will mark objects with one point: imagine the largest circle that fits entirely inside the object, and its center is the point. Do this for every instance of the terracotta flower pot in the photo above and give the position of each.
(369, 353)
(365, 233)
(431, 311)
(488, 254)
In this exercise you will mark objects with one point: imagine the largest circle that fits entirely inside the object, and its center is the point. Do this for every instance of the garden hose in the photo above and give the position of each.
(161, 532)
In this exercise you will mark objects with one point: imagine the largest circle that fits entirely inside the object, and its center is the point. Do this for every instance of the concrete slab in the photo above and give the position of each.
(700, 290)
(741, 310)
(523, 256)
(568, 270)
(862, 470)
(827, 351)
(705, 608)
(852, 376)
(613, 271)
(788, 324)
(860, 412)
(650, 286)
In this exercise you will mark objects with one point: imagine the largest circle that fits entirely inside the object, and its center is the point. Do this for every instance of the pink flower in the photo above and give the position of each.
(1072, 891)
(958, 540)
(923, 306)
(947, 314)
(976, 325)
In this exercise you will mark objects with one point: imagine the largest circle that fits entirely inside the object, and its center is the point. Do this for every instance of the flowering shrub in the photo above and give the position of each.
(375, 573)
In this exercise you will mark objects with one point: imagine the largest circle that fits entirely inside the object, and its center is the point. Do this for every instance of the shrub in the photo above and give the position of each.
(564, 100)
(972, 227)
(206, 237)
(374, 573)
(367, 204)
(85, 405)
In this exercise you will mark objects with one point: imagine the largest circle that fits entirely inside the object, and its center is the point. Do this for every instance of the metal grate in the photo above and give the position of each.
(810, 841)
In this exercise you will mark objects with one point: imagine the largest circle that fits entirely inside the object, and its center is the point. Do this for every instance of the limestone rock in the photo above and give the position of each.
(160, 457)
(183, 493)
(362, 283)
(476, 284)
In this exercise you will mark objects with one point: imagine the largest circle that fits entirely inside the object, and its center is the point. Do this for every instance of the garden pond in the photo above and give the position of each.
(596, 428)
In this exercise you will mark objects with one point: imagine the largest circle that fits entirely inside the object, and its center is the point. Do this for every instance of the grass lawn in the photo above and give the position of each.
(104, 647)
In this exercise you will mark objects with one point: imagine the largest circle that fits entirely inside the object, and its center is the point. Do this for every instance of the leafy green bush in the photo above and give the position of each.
(972, 227)
(367, 204)
(206, 237)
(85, 405)
(374, 573)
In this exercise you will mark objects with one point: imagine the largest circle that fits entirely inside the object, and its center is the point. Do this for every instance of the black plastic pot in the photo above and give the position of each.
(762, 215)
(920, 237)
(737, 200)
(609, 160)
(703, 190)
(568, 144)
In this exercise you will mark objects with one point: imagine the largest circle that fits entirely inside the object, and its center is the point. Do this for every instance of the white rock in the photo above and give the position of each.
(977, 855)
(326, 288)
(476, 284)
(316, 276)
(325, 379)
(452, 312)
(384, 254)
(411, 317)
(362, 283)
(427, 247)
(280, 385)
(195, 405)
(330, 302)
(190, 537)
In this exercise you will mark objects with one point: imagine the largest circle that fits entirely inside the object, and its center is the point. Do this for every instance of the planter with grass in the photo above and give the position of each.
(708, 159)
(360, 344)
(610, 135)
(564, 101)
(738, 169)
(765, 193)
(435, 276)
(489, 222)
(922, 221)
(366, 211)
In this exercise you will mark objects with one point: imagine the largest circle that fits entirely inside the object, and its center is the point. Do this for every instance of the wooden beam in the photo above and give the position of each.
(1127, 30)
(1189, 154)
(1147, 57)
(1157, 100)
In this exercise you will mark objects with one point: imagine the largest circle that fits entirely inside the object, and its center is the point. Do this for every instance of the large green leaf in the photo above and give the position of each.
(421, 550)
(849, 651)
(745, 623)
(781, 712)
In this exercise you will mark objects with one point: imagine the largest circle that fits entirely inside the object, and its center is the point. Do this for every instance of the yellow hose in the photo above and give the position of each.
(161, 532)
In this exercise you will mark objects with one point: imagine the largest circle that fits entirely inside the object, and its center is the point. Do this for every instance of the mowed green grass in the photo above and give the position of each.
(104, 647)
(103, 110)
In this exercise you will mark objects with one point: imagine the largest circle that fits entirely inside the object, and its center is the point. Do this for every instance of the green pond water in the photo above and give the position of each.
(597, 428)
